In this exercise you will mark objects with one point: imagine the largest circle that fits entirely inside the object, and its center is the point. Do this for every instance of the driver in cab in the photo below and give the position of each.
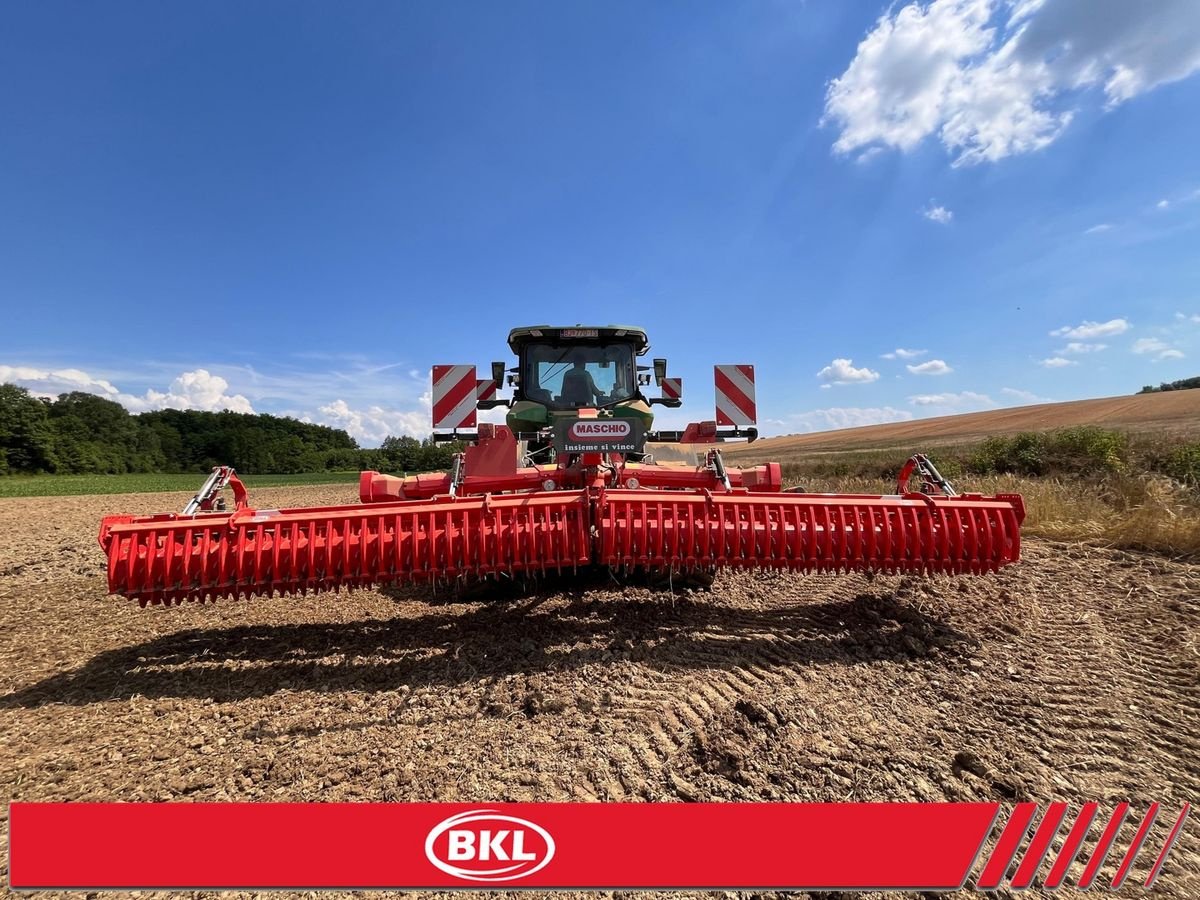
(578, 386)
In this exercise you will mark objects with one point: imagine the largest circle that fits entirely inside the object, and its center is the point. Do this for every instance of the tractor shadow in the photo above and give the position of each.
(451, 645)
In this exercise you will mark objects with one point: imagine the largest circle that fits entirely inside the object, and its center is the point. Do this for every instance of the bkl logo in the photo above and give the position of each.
(486, 845)
(600, 429)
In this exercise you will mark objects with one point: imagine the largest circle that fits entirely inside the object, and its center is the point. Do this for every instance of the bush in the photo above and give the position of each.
(1183, 464)
(1083, 450)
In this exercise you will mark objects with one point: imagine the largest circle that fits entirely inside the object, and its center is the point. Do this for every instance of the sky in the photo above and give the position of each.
(891, 210)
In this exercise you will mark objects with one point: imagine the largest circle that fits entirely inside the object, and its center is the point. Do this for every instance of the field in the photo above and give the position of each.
(68, 485)
(1174, 412)
(1073, 676)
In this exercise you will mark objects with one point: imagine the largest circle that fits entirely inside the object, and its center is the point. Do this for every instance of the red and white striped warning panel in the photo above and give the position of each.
(735, 395)
(485, 389)
(672, 388)
(454, 389)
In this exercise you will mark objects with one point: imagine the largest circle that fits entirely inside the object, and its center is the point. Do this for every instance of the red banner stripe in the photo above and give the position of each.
(485, 389)
(1167, 845)
(1042, 838)
(1138, 839)
(1071, 845)
(672, 388)
(900, 846)
(1101, 849)
(1006, 846)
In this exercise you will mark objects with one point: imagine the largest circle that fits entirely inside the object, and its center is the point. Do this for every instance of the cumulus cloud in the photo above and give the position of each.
(1171, 354)
(842, 371)
(1184, 317)
(993, 78)
(938, 214)
(901, 353)
(960, 399)
(1077, 347)
(1057, 362)
(374, 423)
(847, 417)
(1162, 204)
(198, 389)
(52, 382)
(1087, 331)
(933, 367)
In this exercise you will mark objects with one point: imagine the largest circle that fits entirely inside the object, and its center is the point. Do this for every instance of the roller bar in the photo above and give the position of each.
(172, 558)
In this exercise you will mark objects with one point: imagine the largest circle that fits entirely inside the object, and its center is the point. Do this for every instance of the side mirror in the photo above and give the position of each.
(498, 374)
(660, 370)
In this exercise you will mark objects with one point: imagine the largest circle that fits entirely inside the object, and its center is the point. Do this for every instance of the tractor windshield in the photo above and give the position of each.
(568, 376)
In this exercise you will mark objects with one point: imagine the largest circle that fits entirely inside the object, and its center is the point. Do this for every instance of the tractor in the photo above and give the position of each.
(568, 482)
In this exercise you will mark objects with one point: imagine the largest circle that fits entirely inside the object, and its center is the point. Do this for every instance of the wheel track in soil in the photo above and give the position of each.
(663, 714)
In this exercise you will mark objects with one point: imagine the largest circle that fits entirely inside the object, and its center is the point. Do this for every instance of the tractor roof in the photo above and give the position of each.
(589, 334)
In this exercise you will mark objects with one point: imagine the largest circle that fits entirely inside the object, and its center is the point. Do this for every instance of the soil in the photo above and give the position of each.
(1073, 676)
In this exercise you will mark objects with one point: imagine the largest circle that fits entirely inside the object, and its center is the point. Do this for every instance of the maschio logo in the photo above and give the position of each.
(596, 429)
(486, 845)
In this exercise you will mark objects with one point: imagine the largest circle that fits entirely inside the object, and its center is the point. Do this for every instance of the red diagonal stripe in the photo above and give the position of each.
(454, 395)
(735, 395)
(1006, 847)
(1036, 852)
(485, 388)
(1132, 852)
(1070, 847)
(1170, 842)
(1101, 849)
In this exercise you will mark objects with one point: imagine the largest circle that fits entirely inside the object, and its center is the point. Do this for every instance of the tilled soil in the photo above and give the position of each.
(1074, 676)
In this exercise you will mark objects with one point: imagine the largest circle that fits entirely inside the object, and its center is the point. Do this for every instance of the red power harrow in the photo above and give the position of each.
(490, 518)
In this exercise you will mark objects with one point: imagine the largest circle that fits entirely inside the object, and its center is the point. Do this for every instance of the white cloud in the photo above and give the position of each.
(938, 214)
(52, 382)
(901, 353)
(992, 78)
(1057, 362)
(198, 389)
(1162, 204)
(1087, 331)
(1097, 229)
(842, 371)
(1156, 348)
(1024, 396)
(1077, 347)
(933, 367)
(372, 424)
(1184, 317)
(961, 399)
(847, 417)
(1148, 345)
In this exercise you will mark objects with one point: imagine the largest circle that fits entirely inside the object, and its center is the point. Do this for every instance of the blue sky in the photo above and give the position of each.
(298, 208)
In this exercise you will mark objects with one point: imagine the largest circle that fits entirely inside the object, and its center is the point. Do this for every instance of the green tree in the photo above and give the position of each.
(26, 441)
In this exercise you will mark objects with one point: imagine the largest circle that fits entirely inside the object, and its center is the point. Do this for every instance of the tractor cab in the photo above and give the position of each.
(563, 370)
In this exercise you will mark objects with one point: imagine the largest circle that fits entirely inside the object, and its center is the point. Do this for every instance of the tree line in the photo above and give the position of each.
(1183, 384)
(83, 434)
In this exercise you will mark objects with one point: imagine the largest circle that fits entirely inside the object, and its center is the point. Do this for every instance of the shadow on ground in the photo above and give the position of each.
(454, 644)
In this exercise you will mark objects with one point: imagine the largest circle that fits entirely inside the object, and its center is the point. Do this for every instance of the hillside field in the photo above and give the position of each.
(1169, 412)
